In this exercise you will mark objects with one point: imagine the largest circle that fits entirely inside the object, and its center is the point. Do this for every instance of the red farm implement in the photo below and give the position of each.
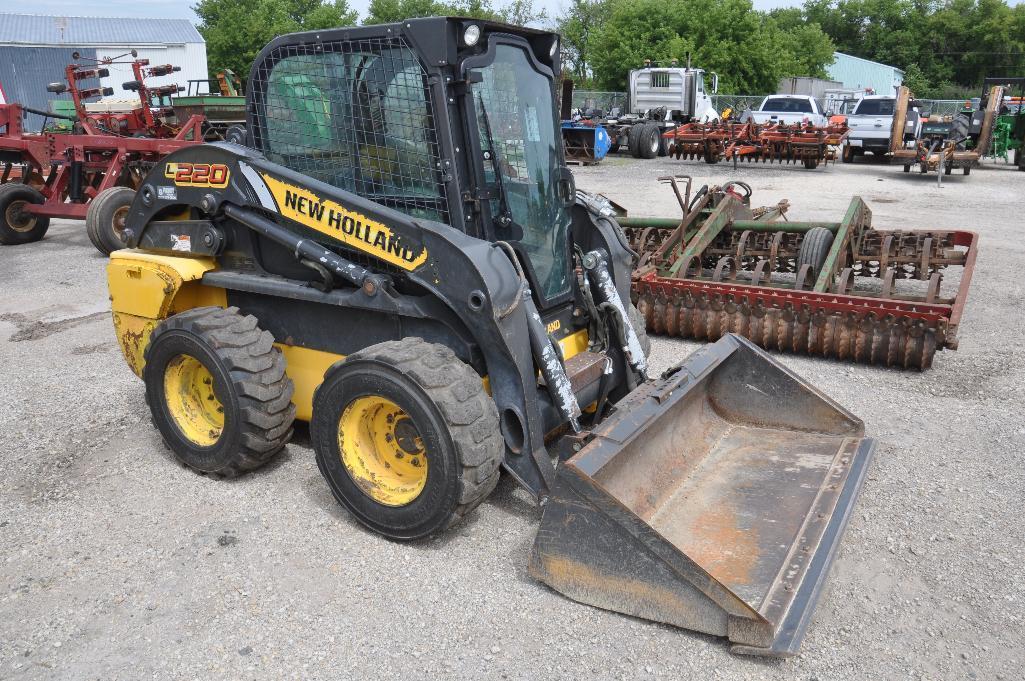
(833, 289)
(93, 171)
(76, 176)
(729, 140)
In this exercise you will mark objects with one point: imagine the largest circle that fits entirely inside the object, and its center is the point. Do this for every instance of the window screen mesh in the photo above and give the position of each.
(356, 115)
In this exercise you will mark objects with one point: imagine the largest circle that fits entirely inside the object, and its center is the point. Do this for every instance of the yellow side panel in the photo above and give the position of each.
(133, 336)
(306, 368)
(144, 284)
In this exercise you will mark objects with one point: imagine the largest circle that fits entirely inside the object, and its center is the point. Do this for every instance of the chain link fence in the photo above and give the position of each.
(587, 100)
(594, 99)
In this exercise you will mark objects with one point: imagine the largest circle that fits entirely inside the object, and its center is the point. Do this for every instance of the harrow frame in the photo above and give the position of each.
(750, 141)
(719, 270)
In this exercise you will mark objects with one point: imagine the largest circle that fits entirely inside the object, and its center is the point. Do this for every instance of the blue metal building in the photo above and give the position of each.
(857, 73)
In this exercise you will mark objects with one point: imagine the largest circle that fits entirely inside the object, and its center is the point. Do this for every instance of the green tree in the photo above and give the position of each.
(748, 49)
(945, 47)
(236, 30)
(577, 25)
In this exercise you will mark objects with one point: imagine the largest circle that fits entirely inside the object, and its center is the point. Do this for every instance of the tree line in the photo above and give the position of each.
(945, 47)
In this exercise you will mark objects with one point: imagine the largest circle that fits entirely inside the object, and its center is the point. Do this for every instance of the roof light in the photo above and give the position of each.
(471, 35)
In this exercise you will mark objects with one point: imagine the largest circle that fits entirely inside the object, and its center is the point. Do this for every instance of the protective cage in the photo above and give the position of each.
(356, 114)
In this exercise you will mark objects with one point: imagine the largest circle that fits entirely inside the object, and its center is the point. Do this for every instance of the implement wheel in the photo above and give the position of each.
(406, 437)
(105, 218)
(814, 249)
(217, 390)
(811, 163)
(848, 154)
(236, 134)
(17, 226)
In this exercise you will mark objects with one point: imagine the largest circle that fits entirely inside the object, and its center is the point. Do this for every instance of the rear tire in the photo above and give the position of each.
(633, 138)
(663, 145)
(814, 249)
(217, 389)
(16, 226)
(452, 433)
(649, 140)
(105, 218)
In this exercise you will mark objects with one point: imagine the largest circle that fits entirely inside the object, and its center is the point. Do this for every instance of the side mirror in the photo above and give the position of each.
(76, 55)
(135, 53)
(715, 83)
(57, 88)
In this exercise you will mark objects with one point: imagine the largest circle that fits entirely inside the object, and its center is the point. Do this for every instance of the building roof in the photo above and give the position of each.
(866, 61)
(37, 29)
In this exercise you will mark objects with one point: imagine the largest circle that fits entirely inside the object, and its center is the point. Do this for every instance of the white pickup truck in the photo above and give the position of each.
(870, 125)
(790, 109)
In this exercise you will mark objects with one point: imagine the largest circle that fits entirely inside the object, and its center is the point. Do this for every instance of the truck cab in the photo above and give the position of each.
(677, 94)
(661, 98)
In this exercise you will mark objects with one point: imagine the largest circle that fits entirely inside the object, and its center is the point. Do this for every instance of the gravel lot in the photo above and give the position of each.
(118, 563)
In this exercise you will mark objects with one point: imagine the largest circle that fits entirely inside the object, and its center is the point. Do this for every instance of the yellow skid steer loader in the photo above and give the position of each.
(401, 259)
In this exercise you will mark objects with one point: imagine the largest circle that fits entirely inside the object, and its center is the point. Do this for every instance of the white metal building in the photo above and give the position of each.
(34, 50)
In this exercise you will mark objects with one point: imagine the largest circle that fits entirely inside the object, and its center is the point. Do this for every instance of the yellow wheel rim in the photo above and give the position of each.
(382, 450)
(191, 401)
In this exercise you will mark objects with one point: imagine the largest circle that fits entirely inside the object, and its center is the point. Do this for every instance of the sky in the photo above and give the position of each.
(181, 9)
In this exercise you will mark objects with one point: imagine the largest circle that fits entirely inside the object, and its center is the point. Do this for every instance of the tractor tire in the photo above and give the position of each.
(236, 134)
(814, 249)
(649, 140)
(17, 227)
(105, 218)
(959, 131)
(448, 444)
(217, 390)
(633, 139)
(639, 328)
(1019, 158)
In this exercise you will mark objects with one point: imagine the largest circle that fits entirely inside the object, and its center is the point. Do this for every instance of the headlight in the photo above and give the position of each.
(471, 35)
(554, 48)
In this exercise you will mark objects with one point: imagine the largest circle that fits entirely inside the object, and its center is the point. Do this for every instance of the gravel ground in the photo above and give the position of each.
(118, 563)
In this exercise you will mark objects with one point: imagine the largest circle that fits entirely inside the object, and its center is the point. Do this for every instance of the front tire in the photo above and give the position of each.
(217, 389)
(406, 437)
(105, 218)
(17, 226)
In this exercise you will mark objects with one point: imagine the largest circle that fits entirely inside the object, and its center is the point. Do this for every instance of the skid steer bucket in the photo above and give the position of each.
(712, 499)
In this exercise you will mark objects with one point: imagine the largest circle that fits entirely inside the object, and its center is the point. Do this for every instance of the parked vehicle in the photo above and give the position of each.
(790, 109)
(661, 98)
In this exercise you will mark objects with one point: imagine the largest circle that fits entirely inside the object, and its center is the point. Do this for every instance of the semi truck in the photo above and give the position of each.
(659, 99)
